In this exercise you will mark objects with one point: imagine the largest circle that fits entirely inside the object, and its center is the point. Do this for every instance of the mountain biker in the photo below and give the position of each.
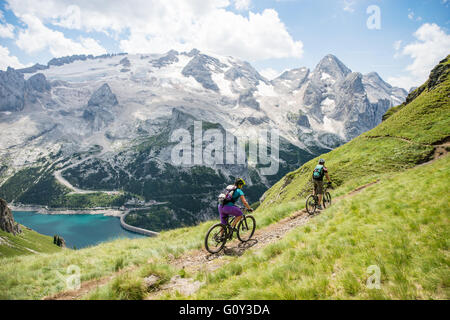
(319, 171)
(230, 209)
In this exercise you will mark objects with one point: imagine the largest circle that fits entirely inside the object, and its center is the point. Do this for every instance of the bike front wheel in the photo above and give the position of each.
(326, 200)
(311, 204)
(246, 228)
(216, 237)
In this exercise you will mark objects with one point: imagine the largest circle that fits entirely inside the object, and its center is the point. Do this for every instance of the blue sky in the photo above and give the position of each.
(407, 40)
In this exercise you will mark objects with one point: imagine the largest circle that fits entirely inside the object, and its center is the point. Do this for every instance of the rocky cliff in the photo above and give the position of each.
(7, 222)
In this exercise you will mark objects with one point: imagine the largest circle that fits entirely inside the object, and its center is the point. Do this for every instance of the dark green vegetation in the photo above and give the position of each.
(38, 186)
(158, 218)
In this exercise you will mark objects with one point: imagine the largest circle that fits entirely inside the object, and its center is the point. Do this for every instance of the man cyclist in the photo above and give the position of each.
(230, 209)
(319, 171)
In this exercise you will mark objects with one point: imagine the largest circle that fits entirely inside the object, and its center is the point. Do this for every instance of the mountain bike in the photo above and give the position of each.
(219, 234)
(312, 202)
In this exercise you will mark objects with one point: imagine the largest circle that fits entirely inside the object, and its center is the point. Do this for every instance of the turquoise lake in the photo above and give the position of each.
(79, 230)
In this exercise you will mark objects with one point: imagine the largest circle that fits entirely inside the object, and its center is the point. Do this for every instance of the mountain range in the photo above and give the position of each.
(82, 125)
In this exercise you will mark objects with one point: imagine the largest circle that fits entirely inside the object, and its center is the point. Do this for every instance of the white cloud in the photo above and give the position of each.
(260, 36)
(242, 4)
(411, 16)
(157, 26)
(37, 37)
(432, 45)
(6, 31)
(7, 60)
(71, 18)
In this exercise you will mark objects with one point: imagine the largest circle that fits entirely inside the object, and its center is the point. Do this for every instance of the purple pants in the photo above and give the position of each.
(225, 211)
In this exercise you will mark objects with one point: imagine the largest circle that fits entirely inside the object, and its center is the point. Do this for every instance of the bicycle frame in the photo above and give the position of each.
(230, 222)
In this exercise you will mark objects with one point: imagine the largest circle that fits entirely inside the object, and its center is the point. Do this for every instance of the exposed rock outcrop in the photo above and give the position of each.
(201, 68)
(103, 97)
(12, 90)
(98, 112)
(59, 241)
(15, 91)
(38, 82)
(7, 222)
(169, 58)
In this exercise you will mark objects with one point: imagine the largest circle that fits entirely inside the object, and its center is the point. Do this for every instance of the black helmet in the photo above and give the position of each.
(239, 181)
(322, 161)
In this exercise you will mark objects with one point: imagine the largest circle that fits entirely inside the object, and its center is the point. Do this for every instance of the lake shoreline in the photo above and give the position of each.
(44, 210)
(78, 230)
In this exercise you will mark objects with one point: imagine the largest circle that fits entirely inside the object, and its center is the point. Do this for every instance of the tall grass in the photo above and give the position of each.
(399, 225)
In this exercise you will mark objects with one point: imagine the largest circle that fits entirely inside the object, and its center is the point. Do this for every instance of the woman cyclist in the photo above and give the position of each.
(229, 208)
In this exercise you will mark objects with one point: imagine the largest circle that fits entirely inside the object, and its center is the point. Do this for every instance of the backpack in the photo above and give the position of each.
(318, 172)
(227, 195)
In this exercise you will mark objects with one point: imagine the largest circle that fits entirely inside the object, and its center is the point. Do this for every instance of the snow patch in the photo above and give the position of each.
(325, 76)
(334, 126)
(328, 105)
(265, 90)
(223, 84)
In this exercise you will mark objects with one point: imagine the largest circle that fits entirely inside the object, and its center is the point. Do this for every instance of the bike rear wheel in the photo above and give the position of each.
(311, 204)
(326, 200)
(246, 228)
(216, 237)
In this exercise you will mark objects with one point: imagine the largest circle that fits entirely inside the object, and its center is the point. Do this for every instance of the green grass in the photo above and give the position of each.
(427, 118)
(131, 285)
(27, 242)
(399, 225)
(358, 162)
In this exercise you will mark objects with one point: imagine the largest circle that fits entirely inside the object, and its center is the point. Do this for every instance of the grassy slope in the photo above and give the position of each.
(399, 225)
(25, 243)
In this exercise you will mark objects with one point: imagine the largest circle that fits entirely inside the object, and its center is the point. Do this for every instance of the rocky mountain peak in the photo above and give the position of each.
(38, 82)
(103, 97)
(201, 67)
(353, 83)
(7, 222)
(332, 66)
(12, 90)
